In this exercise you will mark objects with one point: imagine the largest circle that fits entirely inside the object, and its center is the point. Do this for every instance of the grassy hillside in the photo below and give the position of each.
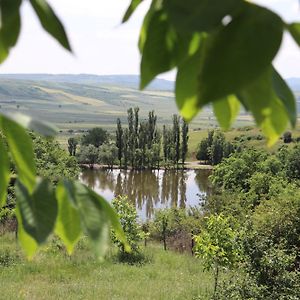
(84, 101)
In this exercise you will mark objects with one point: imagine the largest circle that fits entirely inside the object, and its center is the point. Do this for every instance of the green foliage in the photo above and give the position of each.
(175, 224)
(218, 245)
(50, 22)
(20, 146)
(214, 148)
(194, 37)
(35, 208)
(40, 209)
(52, 161)
(4, 172)
(88, 155)
(10, 26)
(96, 137)
(128, 219)
(108, 154)
(260, 191)
(141, 143)
(72, 145)
(287, 137)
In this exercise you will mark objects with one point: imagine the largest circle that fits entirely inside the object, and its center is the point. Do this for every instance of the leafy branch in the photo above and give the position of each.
(223, 53)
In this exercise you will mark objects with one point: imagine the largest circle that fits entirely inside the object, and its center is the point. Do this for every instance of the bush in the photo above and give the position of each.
(133, 231)
(175, 227)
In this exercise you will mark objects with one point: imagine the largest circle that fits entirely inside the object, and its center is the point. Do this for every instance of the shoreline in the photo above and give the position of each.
(188, 166)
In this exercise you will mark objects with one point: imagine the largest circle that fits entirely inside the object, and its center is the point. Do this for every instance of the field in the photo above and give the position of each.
(54, 275)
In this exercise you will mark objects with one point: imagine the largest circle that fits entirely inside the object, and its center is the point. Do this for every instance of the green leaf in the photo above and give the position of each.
(4, 172)
(114, 220)
(50, 22)
(228, 65)
(287, 97)
(187, 86)
(26, 241)
(20, 146)
(294, 30)
(130, 10)
(199, 15)
(158, 48)
(38, 210)
(10, 26)
(226, 110)
(33, 124)
(68, 226)
(93, 217)
(267, 108)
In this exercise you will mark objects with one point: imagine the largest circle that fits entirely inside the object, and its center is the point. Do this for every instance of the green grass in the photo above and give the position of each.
(54, 275)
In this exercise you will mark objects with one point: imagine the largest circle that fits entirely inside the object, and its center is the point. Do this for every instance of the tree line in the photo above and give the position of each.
(214, 148)
(140, 144)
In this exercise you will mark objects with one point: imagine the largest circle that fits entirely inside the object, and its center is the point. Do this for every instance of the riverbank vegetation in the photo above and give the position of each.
(138, 145)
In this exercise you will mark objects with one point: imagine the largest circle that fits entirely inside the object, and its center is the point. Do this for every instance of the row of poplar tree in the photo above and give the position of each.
(142, 145)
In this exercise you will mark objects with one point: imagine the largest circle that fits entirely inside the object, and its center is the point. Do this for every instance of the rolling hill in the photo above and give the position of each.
(84, 101)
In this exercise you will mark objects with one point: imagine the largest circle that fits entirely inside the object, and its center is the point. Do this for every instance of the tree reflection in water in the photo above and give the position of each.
(150, 190)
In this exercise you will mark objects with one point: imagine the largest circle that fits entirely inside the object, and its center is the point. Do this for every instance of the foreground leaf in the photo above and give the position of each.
(50, 22)
(186, 89)
(228, 60)
(287, 97)
(68, 226)
(130, 10)
(4, 172)
(226, 111)
(10, 26)
(199, 15)
(20, 146)
(158, 48)
(27, 243)
(38, 210)
(267, 108)
(94, 218)
(294, 30)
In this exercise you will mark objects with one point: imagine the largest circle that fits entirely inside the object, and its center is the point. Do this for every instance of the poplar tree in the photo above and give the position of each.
(152, 118)
(185, 138)
(136, 126)
(125, 147)
(131, 138)
(176, 138)
(119, 140)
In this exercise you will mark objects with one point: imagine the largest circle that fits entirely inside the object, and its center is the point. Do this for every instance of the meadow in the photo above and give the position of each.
(52, 274)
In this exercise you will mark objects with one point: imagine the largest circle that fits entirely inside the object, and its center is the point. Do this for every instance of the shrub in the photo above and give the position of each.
(218, 245)
(133, 231)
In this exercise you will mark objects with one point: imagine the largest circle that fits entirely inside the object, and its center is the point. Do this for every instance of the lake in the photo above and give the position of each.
(150, 189)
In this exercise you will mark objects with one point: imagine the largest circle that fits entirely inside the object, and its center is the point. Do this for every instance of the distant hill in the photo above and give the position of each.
(131, 81)
(83, 101)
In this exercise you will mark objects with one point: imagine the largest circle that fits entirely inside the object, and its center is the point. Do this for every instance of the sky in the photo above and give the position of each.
(102, 45)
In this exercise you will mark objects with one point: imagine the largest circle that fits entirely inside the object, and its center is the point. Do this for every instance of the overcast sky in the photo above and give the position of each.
(102, 46)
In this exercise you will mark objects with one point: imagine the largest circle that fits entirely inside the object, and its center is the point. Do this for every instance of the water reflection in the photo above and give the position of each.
(150, 190)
